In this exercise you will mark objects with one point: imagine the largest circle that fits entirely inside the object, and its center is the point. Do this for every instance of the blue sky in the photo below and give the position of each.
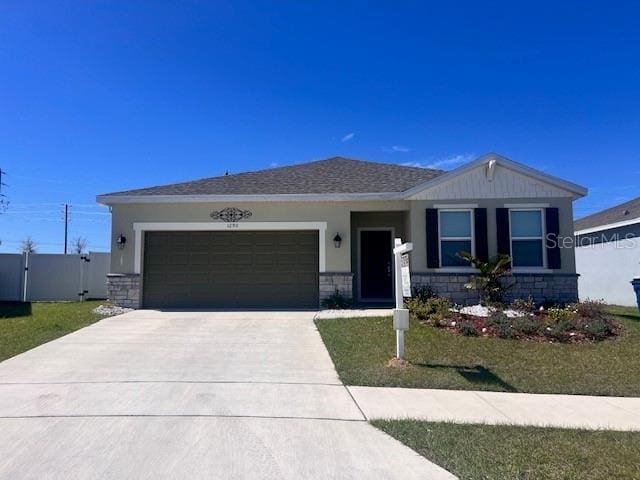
(102, 96)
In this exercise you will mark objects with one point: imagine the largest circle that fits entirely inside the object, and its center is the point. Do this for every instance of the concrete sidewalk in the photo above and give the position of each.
(353, 313)
(568, 411)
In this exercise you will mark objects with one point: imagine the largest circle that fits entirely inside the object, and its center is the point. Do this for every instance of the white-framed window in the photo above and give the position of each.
(455, 227)
(527, 237)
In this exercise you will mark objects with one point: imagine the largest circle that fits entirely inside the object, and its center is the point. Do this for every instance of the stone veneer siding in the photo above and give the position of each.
(542, 287)
(124, 289)
(332, 281)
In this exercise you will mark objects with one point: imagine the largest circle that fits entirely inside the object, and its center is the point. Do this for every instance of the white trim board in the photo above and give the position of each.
(609, 226)
(282, 197)
(140, 227)
(454, 206)
(526, 205)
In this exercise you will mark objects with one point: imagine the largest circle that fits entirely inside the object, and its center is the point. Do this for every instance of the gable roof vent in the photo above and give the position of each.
(626, 212)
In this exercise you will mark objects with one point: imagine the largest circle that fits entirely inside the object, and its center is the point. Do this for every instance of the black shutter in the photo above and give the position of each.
(552, 220)
(502, 231)
(433, 250)
(480, 227)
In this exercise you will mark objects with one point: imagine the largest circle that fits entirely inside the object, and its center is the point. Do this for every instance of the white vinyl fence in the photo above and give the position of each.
(53, 276)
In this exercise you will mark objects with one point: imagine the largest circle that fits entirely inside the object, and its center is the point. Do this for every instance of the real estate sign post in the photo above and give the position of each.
(403, 289)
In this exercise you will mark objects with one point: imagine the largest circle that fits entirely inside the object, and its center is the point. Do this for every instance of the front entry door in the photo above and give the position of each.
(376, 269)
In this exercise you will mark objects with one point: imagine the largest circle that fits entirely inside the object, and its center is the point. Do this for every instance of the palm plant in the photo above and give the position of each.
(489, 280)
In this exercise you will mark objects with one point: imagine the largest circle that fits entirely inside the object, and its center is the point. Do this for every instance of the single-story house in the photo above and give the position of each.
(289, 237)
(608, 253)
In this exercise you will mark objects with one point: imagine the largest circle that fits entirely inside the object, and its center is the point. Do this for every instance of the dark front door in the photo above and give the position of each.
(376, 281)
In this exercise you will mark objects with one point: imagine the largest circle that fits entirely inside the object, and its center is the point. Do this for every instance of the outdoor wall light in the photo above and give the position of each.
(337, 240)
(120, 241)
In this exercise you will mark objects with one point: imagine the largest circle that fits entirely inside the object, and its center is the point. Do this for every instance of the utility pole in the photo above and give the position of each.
(4, 202)
(66, 225)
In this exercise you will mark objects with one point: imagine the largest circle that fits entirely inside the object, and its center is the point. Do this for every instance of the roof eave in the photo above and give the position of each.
(311, 197)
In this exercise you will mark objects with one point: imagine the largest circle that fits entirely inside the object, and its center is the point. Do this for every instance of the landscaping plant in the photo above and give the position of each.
(489, 281)
(577, 322)
(433, 310)
(337, 301)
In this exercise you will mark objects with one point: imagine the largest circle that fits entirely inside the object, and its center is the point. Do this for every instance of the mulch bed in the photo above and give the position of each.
(484, 328)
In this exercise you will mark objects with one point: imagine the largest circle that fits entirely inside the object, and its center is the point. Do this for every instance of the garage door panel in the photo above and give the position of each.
(231, 269)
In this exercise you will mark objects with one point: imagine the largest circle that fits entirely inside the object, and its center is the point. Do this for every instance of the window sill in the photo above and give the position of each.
(531, 270)
(456, 270)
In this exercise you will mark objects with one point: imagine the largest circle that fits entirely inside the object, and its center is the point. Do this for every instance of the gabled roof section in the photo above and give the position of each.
(337, 175)
(489, 164)
(627, 213)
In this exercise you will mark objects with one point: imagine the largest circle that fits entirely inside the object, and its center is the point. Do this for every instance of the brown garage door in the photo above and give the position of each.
(231, 269)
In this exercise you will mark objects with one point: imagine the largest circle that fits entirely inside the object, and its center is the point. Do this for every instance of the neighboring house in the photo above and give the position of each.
(608, 253)
(290, 237)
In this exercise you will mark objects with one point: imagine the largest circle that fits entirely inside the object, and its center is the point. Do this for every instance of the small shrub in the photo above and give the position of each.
(418, 310)
(497, 318)
(590, 309)
(560, 321)
(337, 301)
(432, 309)
(505, 330)
(565, 316)
(467, 329)
(524, 305)
(440, 309)
(502, 324)
(596, 328)
(528, 325)
(558, 331)
(422, 293)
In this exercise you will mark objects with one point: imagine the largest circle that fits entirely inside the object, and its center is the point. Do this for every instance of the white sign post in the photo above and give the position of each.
(403, 289)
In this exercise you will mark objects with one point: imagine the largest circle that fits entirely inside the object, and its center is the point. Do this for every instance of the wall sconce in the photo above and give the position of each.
(337, 240)
(120, 241)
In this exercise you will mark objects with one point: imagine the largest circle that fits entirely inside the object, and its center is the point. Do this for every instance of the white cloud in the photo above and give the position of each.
(399, 148)
(396, 148)
(347, 137)
(452, 161)
(274, 164)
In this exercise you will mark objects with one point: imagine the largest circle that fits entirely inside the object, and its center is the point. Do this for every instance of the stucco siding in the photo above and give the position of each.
(337, 215)
(417, 226)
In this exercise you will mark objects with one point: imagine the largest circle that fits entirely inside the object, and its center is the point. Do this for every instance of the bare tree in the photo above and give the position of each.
(79, 245)
(28, 245)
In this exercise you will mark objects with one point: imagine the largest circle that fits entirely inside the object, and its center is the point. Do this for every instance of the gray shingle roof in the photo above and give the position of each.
(333, 175)
(620, 213)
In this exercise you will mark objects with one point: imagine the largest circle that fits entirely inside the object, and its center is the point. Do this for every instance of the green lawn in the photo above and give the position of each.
(27, 325)
(361, 348)
(487, 452)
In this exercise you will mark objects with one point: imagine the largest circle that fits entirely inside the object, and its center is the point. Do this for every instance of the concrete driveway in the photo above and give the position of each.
(189, 395)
